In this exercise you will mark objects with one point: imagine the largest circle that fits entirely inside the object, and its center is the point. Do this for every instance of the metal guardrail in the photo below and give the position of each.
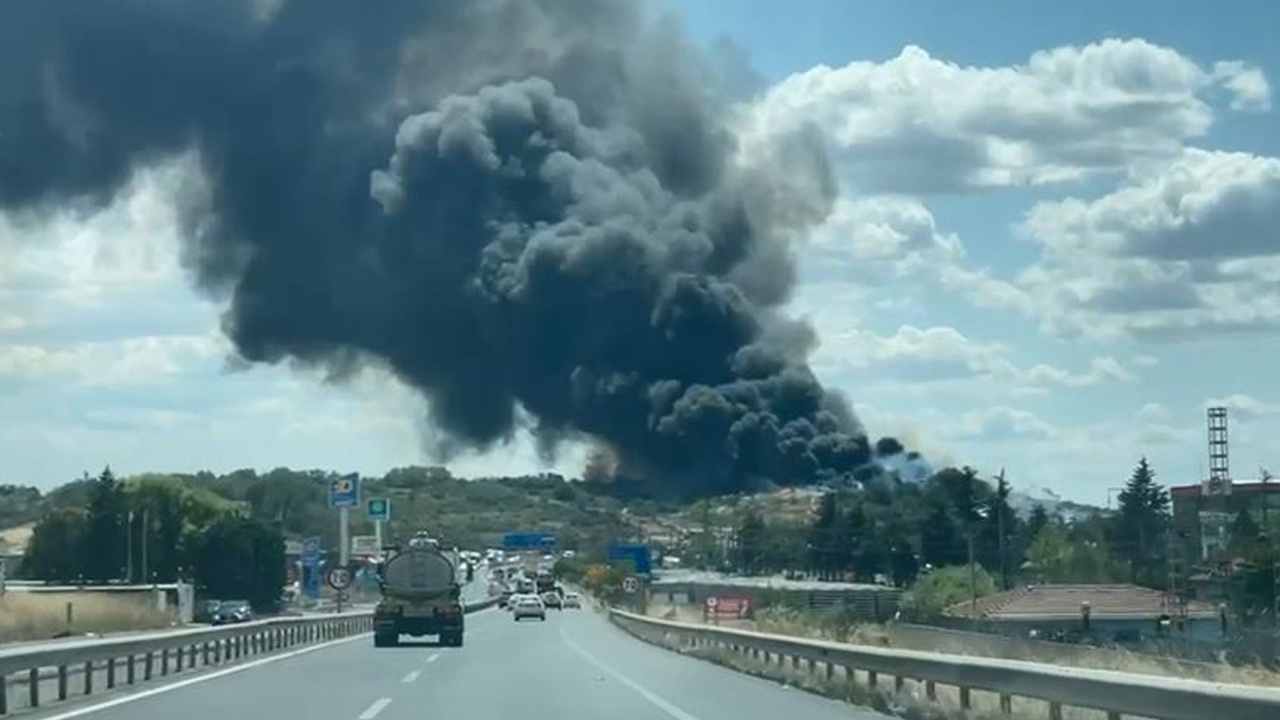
(134, 659)
(1115, 693)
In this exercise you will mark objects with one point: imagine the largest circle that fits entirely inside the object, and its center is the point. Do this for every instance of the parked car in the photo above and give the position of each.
(233, 611)
(529, 606)
(572, 600)
(205, 611)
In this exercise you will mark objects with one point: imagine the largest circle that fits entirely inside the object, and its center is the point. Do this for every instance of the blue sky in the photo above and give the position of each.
(1055, 244)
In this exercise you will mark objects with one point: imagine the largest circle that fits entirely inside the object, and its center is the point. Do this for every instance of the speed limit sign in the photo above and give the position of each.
(631, 584)
(339, 578)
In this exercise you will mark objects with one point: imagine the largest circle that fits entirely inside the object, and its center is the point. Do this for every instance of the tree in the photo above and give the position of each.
(824, 538)
(1244, 532)
(55, 551)
(1059, 557)
(941, 542)
(999, 524)
(240, 558)
(1039, 518)
(749, 543)
(932, 592)
(866, 542)
(103, 543)
(902, 558)
(1140, 525)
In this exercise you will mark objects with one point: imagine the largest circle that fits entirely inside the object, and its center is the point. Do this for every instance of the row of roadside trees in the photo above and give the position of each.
(152, 529)
(893, 530)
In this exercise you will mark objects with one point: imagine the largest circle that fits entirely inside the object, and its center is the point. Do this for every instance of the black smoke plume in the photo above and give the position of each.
(524, 208)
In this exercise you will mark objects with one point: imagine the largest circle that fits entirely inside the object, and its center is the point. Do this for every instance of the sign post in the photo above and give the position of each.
(344, 494)
(379, 511)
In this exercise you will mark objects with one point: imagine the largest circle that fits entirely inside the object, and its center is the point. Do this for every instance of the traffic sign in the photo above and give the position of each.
(637, 554)
(528, 541)
(339, 578)
(378, 509)
(311, 551)
(344, 492)
(365, 545)
(631, 584)
(711, 602)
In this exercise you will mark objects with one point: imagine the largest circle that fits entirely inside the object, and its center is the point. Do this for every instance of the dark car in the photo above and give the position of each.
(233, 611)
(205, 610)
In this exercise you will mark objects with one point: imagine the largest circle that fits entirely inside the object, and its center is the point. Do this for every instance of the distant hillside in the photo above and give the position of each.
(467, 512)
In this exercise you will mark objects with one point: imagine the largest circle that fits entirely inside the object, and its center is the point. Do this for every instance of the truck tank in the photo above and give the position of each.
(420, 596)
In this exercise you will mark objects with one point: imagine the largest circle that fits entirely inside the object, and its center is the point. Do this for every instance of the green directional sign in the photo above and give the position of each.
(378, 509)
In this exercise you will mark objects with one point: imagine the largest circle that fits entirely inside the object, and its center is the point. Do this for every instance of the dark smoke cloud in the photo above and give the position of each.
(535, 205)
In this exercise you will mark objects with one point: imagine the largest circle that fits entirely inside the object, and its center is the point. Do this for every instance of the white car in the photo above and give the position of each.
(528, 606)
(572, 600)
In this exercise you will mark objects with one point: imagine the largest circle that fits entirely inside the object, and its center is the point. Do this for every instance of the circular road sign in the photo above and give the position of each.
(338, 578)
(631, 584)
(711, 602)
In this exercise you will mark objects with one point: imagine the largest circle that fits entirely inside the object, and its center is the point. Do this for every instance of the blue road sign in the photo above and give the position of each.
(378, 509)
(528, 541)
(344, 492)
(311, 561)
(637, 554)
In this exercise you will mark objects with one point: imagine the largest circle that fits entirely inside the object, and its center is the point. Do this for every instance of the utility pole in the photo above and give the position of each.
(973, 583)
(1000, 506)
(1266, 478)
(128, 548)
(146, 566)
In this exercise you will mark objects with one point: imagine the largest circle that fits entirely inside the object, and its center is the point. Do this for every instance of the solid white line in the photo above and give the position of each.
(411, 676)
(375, 708)
(201, 678)
(434, 657)
(657, 700)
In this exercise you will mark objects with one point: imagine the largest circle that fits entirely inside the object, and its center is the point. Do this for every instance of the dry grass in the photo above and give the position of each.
(811, 625)
(910, 702)
(41, 616)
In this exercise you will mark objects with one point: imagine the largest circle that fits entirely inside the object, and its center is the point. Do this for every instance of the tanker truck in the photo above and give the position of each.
(420, 595)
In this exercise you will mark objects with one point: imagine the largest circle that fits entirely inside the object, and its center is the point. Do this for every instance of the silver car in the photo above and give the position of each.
(529, 606)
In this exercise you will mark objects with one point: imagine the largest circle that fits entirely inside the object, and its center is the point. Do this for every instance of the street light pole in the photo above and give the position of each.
(128, 548)
(973, 583)
(1000, 505)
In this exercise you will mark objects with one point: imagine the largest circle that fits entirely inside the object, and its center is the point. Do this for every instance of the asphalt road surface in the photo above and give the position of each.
(574, 666)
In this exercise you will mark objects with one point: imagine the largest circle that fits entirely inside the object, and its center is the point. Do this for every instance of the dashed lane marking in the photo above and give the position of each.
(375, 708)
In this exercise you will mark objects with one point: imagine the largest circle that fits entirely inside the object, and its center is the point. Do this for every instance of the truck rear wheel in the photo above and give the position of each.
(451, 639)
(385, 640)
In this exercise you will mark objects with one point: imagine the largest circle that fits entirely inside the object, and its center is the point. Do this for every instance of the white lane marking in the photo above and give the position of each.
(375, 708)
(434, 657)
(411, 676)
(657, 700)
(202, 678)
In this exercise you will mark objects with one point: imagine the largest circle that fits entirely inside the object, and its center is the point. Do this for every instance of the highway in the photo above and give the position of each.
(574, 666)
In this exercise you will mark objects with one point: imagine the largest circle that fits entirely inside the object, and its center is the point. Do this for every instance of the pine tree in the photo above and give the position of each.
(941, 542)
(1039, 518)
(750, 546)
(104, 537)
(823, 538)
(1141, 522)
(999, 526)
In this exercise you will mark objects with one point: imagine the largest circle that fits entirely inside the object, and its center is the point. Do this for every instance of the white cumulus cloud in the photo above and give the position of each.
(1188, 247)
(916, 123)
